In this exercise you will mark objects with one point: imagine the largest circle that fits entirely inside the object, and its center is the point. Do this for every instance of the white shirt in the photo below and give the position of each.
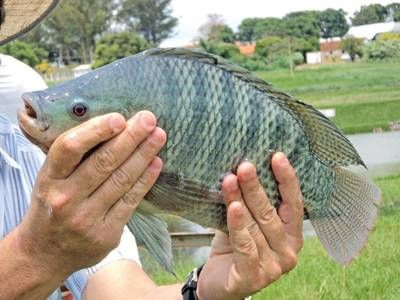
(16, 78)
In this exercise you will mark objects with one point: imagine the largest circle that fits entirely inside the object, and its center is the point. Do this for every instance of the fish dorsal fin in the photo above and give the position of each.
(326, 141)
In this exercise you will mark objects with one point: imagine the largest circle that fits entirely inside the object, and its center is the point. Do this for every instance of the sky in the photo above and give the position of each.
(193, 13)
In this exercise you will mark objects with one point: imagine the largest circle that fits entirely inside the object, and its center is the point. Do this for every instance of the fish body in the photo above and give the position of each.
(216, 115)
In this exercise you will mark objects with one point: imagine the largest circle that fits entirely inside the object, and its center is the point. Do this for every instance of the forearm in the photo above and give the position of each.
(21, 277)
(166, 292)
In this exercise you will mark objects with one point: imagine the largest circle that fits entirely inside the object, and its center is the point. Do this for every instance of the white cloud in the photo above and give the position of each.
(193, 13)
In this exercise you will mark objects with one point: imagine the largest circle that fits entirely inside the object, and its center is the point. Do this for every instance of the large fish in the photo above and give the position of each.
(216, 115)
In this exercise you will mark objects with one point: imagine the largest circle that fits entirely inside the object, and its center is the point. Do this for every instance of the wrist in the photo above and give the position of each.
(37, 260)
(23, 277)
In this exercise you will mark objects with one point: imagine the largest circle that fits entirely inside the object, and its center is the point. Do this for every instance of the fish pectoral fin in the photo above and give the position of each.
(179, 187)
(151, 232)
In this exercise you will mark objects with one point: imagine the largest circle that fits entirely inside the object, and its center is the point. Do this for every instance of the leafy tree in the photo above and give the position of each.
(303, 24)
(215, 30)
(252, 29)
(353, 46)
(151, 18)
(267, 46)
(394, 8)
(333, 23)
(225, 50)
(116, 46)
(369, 14)
(29, 53)
(75, 25)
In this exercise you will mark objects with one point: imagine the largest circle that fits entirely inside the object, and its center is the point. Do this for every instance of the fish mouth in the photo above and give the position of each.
(32, 122)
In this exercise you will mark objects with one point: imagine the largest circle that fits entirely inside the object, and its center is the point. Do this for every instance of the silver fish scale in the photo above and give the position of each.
(214, 120)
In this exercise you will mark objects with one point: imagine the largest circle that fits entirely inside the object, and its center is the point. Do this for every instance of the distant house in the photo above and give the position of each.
(246, 48)
(330, 52)
(369, 32)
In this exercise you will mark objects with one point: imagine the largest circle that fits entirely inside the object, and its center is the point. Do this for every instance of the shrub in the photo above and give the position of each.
(382, 50)
(116, 46)
(29, 53)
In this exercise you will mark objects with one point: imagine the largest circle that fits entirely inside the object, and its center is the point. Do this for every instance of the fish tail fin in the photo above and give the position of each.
(344, 222)
(151, 232)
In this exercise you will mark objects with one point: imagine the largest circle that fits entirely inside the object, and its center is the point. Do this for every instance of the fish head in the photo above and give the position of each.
(46, 114)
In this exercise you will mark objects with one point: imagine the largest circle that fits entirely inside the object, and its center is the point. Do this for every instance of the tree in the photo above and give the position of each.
(215, 30)
(116, 46)
(225, 50)
(151, 18)
(393, 10)
(267, 46)
(353, 46)
(304, 27)
(75, 25)
(252, 29)
(29, 53)
(333, 23)
(369, 14)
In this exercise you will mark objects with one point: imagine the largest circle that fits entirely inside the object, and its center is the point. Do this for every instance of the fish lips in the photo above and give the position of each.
(33, 123)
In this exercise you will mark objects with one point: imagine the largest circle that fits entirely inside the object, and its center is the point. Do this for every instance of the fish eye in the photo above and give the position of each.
(79, 109)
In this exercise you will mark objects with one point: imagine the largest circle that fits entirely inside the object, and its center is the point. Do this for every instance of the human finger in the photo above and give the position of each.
(232, 192)
(245, 253)
(260, 207)
(123, 209)
(291, 209)
(127, 174)
(68, 150)
(105, 160)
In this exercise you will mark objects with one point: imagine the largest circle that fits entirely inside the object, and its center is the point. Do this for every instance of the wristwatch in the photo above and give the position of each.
(190, 287)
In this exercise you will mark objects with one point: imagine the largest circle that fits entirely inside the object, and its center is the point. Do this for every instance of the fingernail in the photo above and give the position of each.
(283, 160)
(147, 120)
(117, 123)
(155, 164)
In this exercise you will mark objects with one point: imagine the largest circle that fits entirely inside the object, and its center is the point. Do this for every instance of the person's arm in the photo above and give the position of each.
(235, 268)
(80, 202)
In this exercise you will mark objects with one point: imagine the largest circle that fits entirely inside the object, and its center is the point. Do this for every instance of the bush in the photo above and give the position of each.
(382, 50)
(116, 46)
(225, 50)
(353, 46)
(29, 53)
(388, 36)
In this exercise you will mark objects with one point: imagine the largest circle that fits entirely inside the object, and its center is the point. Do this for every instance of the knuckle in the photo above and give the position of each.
(246, 247)
(104, 161)
(68, 145)
(121, 179)
(57, 203)
(130, 199)
(253, 228)
(274, 273)
(290, 260)
(267, 214)
(78, 224)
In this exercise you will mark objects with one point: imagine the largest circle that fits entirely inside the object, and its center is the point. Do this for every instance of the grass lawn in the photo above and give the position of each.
(374, 274)
(365, 95)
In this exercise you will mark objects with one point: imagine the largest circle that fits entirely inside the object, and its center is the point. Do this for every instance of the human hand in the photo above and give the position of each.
(83, 197)
(263, 243)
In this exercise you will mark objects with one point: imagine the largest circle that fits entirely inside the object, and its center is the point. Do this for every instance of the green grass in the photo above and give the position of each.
(373, 275)
(365, 95)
